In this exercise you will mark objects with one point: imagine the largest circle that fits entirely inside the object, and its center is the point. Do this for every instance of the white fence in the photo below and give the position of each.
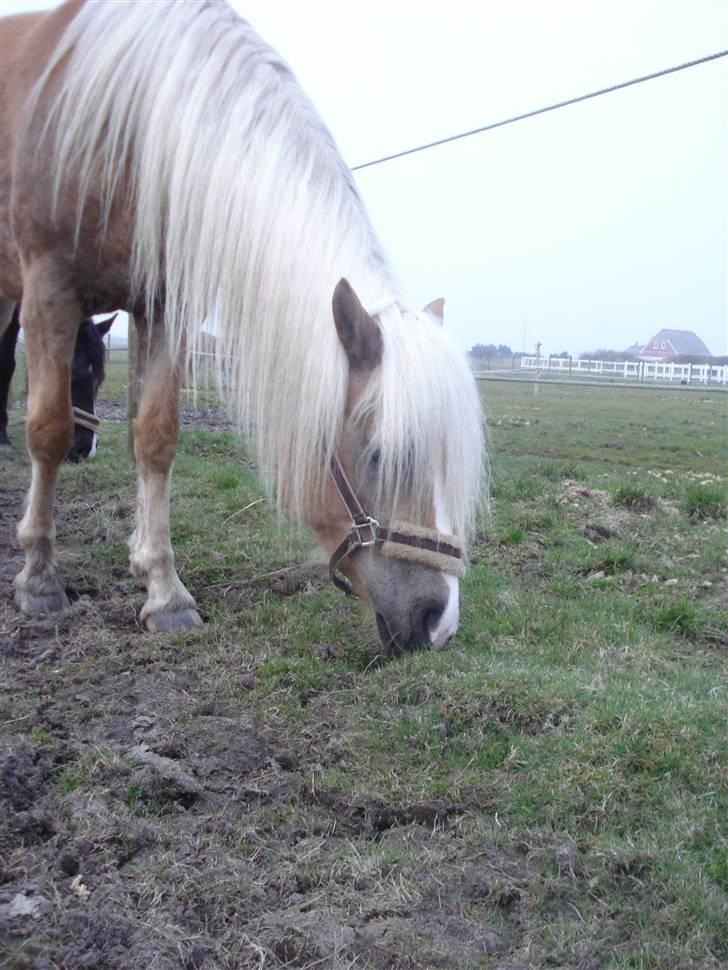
(638, 370)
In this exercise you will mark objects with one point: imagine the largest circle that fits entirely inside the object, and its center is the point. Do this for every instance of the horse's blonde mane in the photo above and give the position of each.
(243, 209)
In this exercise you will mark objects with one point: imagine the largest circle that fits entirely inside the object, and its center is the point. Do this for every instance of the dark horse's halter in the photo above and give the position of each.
(441, 552)
(84, 419)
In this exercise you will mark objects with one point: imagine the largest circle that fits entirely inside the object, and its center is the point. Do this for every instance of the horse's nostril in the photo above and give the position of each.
(420, 628)
(432, 621)
(426, 620)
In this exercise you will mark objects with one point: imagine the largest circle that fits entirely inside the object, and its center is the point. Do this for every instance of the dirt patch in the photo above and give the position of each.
(208, 418)
(603, 518)
(149, 821)
(205, 418)
(205, 801)
(594, 507)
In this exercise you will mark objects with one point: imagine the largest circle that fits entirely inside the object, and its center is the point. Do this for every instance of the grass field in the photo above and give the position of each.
(550, 791)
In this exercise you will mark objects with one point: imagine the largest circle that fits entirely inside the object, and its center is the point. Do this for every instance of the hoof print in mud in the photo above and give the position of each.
(161, 782)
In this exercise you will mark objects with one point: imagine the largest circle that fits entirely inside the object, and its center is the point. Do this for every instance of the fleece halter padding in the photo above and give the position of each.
(84, 419)
(435, 549)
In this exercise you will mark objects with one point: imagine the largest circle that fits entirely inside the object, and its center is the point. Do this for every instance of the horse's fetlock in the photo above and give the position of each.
(38, 544)
(151, 563)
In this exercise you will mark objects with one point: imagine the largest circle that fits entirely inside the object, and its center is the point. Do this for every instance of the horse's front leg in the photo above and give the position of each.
(169, 606)
(50, 318)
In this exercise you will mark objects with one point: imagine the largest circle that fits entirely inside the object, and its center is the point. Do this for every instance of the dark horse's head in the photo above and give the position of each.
(87, 375)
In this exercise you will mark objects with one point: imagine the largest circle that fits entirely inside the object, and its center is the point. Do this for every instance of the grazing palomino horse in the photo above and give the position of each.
(87, 375)
(160, 157)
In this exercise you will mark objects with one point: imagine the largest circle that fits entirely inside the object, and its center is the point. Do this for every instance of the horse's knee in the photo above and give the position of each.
(155, 442)
(50, 434)
(156, 429)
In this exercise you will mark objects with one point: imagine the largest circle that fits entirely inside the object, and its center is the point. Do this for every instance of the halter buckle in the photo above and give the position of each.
(364, 533)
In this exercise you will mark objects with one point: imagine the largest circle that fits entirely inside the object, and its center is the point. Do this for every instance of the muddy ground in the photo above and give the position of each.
(149, 821)
(162, 806)
(207, 418)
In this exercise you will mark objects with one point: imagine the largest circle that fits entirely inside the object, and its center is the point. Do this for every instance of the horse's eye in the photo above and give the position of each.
(375, 456)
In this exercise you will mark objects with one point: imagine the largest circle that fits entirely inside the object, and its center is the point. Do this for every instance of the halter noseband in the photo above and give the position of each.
(84, 419)
(423, 545)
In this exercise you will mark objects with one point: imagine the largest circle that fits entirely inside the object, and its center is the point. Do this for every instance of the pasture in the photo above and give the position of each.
(549, 791)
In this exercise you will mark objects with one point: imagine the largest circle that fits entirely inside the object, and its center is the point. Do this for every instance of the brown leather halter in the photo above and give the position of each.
(366, 531)
(84, 419)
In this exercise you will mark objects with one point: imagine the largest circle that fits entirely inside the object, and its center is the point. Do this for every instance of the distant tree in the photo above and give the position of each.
(490, 350)
(564, 355)
(602, 354)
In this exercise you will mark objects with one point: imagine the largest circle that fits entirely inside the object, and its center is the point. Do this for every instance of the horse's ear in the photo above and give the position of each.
(103, 327)
(436, 310)
(358, 332)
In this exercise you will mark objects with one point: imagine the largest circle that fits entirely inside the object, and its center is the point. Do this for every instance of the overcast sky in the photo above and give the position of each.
(593, 226)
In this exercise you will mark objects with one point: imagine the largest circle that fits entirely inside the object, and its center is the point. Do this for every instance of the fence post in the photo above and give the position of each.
(132, 388)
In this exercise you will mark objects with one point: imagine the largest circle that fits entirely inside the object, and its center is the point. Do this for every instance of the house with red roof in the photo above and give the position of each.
(669, 344)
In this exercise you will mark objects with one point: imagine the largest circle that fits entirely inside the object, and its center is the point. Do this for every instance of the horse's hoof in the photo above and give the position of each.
(165, 622)
(33, 604)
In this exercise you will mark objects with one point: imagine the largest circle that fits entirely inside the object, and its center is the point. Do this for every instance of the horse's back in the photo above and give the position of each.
(38, 212)
(27, 42)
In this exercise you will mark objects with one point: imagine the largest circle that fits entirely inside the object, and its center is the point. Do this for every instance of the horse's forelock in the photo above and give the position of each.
(423, 413)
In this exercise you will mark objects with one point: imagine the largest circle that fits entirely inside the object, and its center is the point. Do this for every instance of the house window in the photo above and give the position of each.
(662, 345)
(655, 345)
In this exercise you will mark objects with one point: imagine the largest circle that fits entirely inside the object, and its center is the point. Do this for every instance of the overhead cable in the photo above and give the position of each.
(544, 110)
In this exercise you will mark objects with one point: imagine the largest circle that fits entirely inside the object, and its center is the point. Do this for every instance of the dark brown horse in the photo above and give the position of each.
(87, 375)
(160, 157)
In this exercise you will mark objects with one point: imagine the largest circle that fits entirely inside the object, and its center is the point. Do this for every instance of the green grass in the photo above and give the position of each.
(593, 427)
(705, 501)
(633, 495)
(582, 704)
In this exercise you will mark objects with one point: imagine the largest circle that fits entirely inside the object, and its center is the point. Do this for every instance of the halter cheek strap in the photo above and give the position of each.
(84, 419)
(363, 532)
(401, 540)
